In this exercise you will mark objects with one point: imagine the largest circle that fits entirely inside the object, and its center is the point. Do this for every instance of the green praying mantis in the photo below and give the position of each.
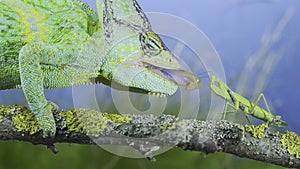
(240, 102)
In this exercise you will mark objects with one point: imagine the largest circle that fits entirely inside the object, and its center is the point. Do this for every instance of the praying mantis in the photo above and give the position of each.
(240, 102)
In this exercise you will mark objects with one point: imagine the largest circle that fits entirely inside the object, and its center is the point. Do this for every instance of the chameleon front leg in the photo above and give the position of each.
(32, 81)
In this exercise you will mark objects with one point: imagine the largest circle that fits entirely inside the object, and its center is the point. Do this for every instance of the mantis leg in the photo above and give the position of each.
(265, 101)
(266, 115)
(237, 104)
(226, 108)
(259, 112)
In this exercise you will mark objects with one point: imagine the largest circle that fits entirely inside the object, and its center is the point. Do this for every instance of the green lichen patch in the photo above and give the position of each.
(117, 118)
(257, 131)
(4, 110)
(7, 110)
(72, 121)
(292, 141)
(92, 122)
(24, 120)
(89, 122)
(172, 125)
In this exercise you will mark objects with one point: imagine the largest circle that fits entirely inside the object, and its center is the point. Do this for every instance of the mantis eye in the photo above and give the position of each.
(151, 44)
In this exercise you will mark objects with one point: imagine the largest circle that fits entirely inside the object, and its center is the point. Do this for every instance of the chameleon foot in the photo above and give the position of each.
(46, 119)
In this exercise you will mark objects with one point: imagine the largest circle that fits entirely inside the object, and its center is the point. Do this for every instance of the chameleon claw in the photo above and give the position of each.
(46, 119)
(48, 133)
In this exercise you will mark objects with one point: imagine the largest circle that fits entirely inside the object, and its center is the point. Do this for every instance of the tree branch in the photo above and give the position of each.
(148, 134)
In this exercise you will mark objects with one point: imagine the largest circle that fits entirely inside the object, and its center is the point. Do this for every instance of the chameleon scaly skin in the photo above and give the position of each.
(57, 44)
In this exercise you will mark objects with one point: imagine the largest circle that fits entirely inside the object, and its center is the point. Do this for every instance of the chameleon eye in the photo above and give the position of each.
(149, 46)
(151, 43)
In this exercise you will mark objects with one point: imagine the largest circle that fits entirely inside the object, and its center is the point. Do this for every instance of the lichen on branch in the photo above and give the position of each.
(143, 132)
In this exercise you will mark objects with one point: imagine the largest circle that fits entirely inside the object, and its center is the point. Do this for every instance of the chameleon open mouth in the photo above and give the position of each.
(179, 77)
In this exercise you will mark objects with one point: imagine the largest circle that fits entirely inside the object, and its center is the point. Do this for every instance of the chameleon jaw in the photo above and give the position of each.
(178, 76)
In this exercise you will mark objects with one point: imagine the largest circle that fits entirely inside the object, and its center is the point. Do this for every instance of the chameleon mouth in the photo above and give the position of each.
(178, 76)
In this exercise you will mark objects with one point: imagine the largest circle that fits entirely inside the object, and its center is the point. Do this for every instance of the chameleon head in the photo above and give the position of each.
(142, 61)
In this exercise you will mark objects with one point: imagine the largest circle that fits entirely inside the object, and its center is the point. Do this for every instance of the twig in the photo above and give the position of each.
(147, 134)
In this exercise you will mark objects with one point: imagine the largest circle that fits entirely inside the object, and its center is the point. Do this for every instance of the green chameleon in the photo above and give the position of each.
(62, 43)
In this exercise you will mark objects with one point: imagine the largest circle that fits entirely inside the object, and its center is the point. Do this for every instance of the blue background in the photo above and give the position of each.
(236, 29)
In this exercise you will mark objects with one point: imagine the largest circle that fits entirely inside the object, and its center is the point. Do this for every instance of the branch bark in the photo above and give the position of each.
(147, 134)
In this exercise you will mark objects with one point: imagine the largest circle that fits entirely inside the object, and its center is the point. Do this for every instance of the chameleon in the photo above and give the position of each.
(61, 43)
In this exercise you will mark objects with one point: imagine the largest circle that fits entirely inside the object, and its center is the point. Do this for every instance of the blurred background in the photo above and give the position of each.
(257, 41)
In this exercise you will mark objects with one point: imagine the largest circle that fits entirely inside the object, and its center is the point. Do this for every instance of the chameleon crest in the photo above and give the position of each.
(57, 44)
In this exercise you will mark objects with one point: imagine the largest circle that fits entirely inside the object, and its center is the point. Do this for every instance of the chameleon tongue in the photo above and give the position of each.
(181, 77)
(178, 76)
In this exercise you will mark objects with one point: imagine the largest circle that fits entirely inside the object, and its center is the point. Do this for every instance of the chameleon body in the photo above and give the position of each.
(62, 43)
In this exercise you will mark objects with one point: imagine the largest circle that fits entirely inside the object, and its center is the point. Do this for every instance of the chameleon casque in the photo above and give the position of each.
(62, 43)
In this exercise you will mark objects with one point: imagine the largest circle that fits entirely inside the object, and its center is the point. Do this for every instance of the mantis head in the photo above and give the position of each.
(279, 122)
